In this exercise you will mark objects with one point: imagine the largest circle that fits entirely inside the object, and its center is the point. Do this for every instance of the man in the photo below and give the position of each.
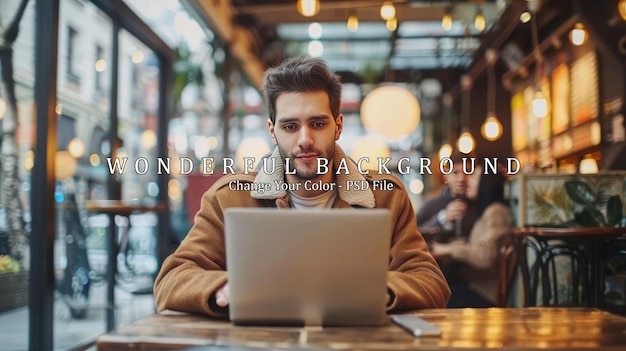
(303, 98)
(456, 214)
(452, 213)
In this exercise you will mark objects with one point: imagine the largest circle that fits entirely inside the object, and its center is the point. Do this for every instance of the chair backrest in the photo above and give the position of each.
(507, 266)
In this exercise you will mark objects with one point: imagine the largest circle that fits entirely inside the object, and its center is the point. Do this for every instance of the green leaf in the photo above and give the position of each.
(590, 217)
(579, 192)
(614, 210)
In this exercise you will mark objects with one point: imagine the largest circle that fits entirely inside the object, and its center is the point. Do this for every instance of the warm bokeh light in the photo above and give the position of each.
(201, 147)
(445, 151)
(137, 56)
(212, 142)
(446, 21)
(371, 147)
(308, 8)
(3, 108)
(148, 139)
(466, 142)
(578, 35)
(58, 108)
(416, 186)
(315, 30)
(316, 48)
(568, 143)
(255, 148)
(353, 23)
(29, 160)
(387, 10)
(391, 111)
(621, 8)
(491, 128)
(525, 17)
(174, 190)
(181, 144)
(539, 105)
(588, 165)
(392, 24)
(479, 21)
(101, 65)
(65, 166)
(76, 147)
(94, 160)
(596, 133)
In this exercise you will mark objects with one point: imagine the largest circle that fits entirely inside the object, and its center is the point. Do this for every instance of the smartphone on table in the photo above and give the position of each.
(416, 325)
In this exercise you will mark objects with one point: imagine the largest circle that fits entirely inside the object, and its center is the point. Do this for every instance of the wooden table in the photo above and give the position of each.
(114, 208)
(585, 245)
(504, 328)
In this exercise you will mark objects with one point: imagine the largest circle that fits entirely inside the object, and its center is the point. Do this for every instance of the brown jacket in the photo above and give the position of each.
(192, 274)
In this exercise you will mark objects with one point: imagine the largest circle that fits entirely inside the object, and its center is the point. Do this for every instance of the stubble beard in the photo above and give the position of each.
(309, 171)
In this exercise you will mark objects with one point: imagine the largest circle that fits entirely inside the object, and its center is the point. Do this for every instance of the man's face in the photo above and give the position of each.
(457, 180)
(305, 130)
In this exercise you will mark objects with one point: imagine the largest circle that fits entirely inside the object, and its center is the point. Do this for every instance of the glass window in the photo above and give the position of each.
(137, 112)
(16, 161)
(72, 43)
(83, 100)
(83, 143)
(100, 69)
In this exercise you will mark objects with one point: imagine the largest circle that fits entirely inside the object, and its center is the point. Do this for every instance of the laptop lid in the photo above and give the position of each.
(307, 267)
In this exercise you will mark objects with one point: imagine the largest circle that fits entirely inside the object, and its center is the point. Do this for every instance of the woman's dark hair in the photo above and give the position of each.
(490, 190)
(301, 74)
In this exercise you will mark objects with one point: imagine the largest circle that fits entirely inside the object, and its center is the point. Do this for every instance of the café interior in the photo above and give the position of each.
(539, 84)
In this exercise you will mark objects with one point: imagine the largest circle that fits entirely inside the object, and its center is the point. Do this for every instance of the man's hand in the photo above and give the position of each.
(222, 296)
(440, 248)
(456, 210)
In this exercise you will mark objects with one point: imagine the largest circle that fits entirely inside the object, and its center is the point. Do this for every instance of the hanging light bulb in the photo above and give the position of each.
(466, 142)
(491, 128)
(392, 24)
(387, 10)
(446, 20)
(479, 21)
(353, 23)
(525, 17)
(539, 104)
(308, 8)
(621, 8)
(445, 151)
(578, 35)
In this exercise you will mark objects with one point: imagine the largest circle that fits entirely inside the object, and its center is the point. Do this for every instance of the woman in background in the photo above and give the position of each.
(477, 254)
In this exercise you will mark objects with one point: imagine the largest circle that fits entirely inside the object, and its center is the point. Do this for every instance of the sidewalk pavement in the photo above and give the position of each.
(70, 332)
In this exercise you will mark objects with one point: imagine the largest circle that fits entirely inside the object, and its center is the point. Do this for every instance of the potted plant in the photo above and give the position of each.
(13, 284)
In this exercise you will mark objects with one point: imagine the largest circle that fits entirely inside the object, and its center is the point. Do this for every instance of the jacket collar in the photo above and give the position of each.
(362, 198)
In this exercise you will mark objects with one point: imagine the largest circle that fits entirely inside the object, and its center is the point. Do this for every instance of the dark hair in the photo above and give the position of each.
(457, 156)
(490, 190)
(301, 74)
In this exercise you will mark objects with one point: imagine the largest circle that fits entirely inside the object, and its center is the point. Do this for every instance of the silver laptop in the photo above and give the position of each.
(307, 267)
